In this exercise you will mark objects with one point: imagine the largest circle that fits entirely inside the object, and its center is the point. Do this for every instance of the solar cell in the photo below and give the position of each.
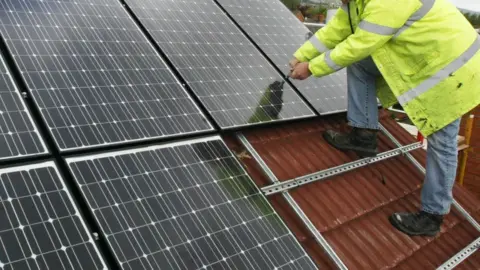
(18, 134)
(95, 77)
(188, 205)
(279, 34)
(40, 226)
(224, 69)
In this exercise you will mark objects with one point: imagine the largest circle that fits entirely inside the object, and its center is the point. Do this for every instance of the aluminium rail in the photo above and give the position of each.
(461, 256)
(293, 204)
(334, 171)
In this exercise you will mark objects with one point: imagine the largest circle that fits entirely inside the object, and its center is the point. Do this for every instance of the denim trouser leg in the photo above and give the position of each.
(362, 94)
(441, 169)
(442, 145)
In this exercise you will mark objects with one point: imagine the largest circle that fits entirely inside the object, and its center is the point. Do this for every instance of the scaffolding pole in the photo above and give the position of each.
(293, 204)
(464, 157)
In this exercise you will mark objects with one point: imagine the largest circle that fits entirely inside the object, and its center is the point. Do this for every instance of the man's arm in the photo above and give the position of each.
(379, 22)
(336, 30)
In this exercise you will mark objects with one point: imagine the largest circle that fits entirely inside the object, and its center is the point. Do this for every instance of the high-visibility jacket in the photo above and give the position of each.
(426, 50)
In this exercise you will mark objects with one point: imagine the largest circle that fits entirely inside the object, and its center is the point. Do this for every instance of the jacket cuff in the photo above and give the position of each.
(300, 57)
(319, 67)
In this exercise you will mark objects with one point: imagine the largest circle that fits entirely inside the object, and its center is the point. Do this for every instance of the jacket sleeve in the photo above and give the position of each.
(336, 30)
(379, 22)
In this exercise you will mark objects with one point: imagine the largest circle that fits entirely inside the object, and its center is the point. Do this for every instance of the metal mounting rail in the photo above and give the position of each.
(293, 204)
(461, 256)
(422, 169)
(322, 175)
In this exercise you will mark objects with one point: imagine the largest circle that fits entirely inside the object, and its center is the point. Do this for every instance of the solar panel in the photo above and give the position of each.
(223, 68)
(188, 205)
(279, 34)
(40, 226)
(95, 77)
(19, 136)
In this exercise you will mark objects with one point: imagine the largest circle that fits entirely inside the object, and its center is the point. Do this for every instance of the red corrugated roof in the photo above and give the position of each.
(351, 210)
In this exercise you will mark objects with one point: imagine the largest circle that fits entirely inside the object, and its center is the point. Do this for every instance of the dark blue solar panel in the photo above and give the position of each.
(279, 34)
(189, 205)
(40, 226)
(19, 137)
(224, 69)
(95, 77)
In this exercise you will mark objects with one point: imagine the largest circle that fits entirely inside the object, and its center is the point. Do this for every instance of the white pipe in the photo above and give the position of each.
(314, 24)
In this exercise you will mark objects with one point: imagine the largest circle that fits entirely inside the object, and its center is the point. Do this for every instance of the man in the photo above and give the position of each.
(421, 53)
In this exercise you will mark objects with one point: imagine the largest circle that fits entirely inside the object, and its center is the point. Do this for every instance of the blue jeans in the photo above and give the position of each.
(442, 145)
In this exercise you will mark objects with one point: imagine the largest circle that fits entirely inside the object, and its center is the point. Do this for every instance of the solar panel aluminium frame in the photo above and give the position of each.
(83, 225)
(207, 138)
(312, 111)
(15, 90)
(22, 84)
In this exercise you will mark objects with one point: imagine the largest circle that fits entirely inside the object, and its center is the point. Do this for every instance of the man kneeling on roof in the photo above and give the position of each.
(422, 54)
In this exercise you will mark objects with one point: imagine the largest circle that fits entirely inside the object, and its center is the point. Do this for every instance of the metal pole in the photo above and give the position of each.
(328, 173)
(464, 158)
(422, 169)
(395, 110)
(293, 204)
(314, 24)
(461, 256)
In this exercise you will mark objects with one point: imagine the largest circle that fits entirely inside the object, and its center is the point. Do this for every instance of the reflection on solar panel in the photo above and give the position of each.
(279, 34)
(40, 227)
(95, 77)
(226, 71)
(18, 134)
(185, 206)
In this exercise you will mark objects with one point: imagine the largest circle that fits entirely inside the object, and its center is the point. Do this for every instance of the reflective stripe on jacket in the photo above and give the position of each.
(427, 52)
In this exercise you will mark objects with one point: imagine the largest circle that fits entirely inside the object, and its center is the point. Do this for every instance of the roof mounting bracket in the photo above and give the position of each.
(461, 256)
(328, 173)
(293, 204)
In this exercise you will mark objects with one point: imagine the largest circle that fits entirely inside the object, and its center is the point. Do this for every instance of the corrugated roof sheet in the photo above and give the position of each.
(351, 210)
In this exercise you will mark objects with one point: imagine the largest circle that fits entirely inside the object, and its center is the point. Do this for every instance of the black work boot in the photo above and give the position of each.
(417, 224)
(362, 141)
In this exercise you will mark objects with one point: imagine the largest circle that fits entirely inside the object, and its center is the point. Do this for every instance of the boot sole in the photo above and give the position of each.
(401, 228)
(360, 151)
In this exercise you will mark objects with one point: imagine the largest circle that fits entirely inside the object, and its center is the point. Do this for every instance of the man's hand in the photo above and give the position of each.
(293, 63)
(300, 72)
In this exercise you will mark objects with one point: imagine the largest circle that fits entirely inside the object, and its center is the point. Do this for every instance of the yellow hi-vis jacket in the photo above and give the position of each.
(427, 52)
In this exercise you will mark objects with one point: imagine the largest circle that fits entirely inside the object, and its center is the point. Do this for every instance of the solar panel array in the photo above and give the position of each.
(93, 74)
(40, 226)
(94, 80)
(279, 34)
(188, 205)
(19, 137)
(223, 68)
